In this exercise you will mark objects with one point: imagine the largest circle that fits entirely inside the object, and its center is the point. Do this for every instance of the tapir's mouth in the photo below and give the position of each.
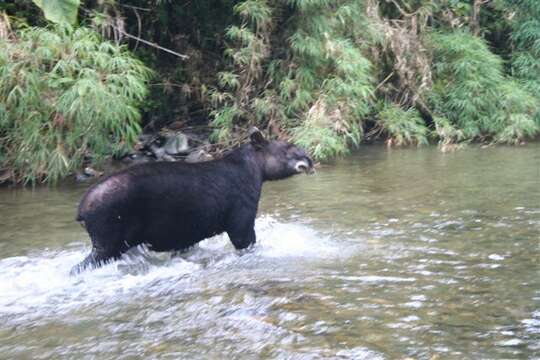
(303, 166)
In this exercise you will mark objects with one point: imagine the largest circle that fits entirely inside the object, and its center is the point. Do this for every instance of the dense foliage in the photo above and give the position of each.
(472, 92)
(65, 95)
(327, 73)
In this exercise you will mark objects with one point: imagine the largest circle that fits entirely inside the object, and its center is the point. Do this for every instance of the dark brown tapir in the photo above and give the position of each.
(173, 205)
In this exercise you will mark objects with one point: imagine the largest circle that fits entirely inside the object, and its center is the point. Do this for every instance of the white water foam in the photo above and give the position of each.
(40, 282)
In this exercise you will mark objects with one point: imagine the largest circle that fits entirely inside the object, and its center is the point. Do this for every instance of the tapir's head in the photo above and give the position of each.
(279, 159)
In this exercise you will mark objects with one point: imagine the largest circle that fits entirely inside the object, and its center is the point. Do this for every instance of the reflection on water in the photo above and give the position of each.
(384, 255)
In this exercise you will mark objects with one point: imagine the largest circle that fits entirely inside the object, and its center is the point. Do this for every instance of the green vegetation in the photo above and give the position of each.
(59, 11)
(65, 95)
(403, 127)
(472, 92)
(326, 73)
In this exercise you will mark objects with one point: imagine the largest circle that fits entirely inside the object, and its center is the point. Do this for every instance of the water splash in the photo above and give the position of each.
(41, 282)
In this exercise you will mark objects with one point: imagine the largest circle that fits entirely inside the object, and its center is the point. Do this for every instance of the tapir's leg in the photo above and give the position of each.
(241, 231)
(95, 259)
(110, 239)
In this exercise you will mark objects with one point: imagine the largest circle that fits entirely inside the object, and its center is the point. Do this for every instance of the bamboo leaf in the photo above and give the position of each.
(59, 11)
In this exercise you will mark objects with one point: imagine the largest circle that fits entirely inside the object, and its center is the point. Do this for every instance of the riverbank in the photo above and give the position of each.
(193, 146)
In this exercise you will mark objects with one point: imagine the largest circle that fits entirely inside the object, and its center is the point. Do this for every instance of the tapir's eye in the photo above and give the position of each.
(290, 154)
(295, 154)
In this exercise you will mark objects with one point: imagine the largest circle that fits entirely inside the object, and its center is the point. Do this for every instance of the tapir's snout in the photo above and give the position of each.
(305, 166)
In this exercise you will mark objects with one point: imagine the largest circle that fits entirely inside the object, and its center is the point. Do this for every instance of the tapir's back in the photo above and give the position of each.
(169, 206)
(181, 206)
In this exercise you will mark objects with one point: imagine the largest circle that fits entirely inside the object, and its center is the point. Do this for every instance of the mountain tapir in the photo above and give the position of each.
(172, 206)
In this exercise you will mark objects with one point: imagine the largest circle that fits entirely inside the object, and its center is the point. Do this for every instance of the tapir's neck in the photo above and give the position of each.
(250, 161)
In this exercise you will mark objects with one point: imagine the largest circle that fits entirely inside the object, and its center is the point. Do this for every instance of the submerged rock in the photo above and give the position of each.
(160, 153)
(87, 174)
(169, 146)
(198, 156)
(138, 157)
(5, 175)
(176, 143)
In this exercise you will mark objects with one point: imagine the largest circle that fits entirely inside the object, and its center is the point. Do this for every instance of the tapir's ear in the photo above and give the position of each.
(257, 138)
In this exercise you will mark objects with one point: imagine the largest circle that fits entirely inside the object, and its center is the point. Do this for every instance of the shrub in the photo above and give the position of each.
(403, 127)
(471, 91)
(65, 95)
(317, 89)
(526, 41)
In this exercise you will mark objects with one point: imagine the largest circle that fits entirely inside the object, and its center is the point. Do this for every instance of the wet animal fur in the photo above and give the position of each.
(172, 206)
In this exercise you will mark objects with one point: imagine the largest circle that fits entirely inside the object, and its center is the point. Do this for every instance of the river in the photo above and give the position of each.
(386, 254)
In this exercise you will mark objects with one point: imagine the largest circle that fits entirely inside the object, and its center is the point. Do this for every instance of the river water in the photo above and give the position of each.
(407, 253)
